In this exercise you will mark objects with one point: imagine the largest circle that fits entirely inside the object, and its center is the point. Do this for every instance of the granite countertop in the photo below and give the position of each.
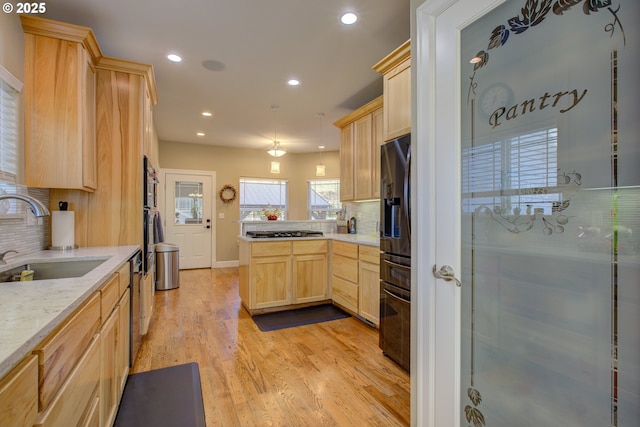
(361, 239)
(29, 311)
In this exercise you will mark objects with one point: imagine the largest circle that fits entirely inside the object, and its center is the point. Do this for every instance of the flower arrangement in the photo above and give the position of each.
(271, 214)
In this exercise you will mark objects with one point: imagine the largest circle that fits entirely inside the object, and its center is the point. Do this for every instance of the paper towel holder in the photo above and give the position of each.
(63, 205)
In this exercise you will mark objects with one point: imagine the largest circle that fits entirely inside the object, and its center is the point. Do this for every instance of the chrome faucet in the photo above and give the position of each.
(2, 255)
(37, 207)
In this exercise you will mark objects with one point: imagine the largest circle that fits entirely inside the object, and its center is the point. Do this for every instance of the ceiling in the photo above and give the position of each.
(252, 47)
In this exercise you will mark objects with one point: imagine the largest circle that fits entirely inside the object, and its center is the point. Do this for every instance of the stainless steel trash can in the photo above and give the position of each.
(167, 266)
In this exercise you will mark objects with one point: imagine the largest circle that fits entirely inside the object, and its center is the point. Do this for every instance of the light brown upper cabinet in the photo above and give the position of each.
(360, 139)
(396, 71)
(60, 81)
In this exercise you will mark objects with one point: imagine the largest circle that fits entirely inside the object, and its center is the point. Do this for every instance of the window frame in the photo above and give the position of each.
(10, 89)
(335, 210)
(255, 213)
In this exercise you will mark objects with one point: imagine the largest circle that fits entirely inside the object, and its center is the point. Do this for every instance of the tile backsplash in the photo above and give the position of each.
(23, 234)
(367, 215)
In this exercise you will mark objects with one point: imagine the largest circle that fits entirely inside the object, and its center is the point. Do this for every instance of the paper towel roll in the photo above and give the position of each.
(62, 229)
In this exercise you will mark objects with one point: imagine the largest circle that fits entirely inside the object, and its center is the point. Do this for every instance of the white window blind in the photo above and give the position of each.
(9, 91)
(512, 174)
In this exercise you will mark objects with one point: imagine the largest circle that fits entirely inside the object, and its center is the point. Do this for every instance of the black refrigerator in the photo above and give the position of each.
(395, 247)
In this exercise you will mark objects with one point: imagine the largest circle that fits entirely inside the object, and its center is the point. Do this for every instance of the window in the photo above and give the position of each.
(513, 175)
(10, 87)
(323, 200)
(188, 207)
(257, 194)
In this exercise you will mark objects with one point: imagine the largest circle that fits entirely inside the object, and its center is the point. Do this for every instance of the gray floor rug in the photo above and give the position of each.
(302, 316)
(167, 397)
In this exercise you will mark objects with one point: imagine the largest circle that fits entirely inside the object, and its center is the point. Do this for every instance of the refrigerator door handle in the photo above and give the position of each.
(407, 193)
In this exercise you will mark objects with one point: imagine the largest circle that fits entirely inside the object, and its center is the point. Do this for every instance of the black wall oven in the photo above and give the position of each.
(395, 246)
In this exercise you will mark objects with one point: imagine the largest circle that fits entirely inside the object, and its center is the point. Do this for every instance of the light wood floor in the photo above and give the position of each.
(328, 374)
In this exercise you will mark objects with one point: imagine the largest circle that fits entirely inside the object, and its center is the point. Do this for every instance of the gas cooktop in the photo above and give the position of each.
(283, 233)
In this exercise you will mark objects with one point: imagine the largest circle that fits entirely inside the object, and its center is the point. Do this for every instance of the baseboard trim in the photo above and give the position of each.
(226, 264)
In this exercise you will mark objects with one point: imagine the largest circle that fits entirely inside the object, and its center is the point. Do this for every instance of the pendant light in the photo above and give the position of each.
(275, 166)
(320, 170)
(276, 150)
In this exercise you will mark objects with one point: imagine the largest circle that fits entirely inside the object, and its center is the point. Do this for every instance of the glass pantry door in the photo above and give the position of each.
(549, 203)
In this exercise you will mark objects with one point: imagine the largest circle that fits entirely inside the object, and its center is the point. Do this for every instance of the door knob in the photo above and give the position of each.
(446, 273)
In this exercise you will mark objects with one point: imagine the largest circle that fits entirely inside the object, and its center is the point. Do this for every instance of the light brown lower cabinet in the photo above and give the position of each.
(108, 382)
(76, 376)
(279, 275)
(355, 279)
(123, 341)
(19, 394)
(344, 275)
(369, 301)
(74, 401)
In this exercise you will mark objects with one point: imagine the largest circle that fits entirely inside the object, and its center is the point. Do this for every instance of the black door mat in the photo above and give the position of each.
(302, 316)
(167, 397)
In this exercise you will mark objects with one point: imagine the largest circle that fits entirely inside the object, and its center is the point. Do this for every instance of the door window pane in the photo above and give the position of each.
(188, 202)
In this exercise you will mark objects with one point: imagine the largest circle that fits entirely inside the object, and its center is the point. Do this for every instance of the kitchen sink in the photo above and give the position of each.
(52, 270)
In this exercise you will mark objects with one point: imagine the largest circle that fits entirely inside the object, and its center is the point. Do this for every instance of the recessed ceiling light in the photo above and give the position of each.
(293, 82)
(207, 114)
(174, 58)
(349, 18)
(200, 134)
(321, 147)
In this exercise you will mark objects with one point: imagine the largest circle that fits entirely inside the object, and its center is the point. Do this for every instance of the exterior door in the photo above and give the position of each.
(528, 189)
(189, 216)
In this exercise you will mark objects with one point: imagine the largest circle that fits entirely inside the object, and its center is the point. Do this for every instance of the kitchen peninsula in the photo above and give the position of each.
(284, 273)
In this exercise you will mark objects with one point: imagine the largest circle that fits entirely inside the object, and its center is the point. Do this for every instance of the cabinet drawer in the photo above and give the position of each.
(345, 293)
(123, 277)
(310, 247)
(345, 249)
(271, 248)
(19, 395)
(346, 268)
(369, 254)
(75, 400)
(58, 356)
(109, 296)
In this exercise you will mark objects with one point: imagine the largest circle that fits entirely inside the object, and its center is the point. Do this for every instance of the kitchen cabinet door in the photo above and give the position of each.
(122, 342)
(60, 80)
(363, 137)
(369, 300)
(19, 395)
(396, 71)
(346, 163)
(108, 362)
(270, 281)
(377, 133)
(78, 394)
(309, 278)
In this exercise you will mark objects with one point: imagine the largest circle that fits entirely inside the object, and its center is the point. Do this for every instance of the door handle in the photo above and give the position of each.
(446, 273)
